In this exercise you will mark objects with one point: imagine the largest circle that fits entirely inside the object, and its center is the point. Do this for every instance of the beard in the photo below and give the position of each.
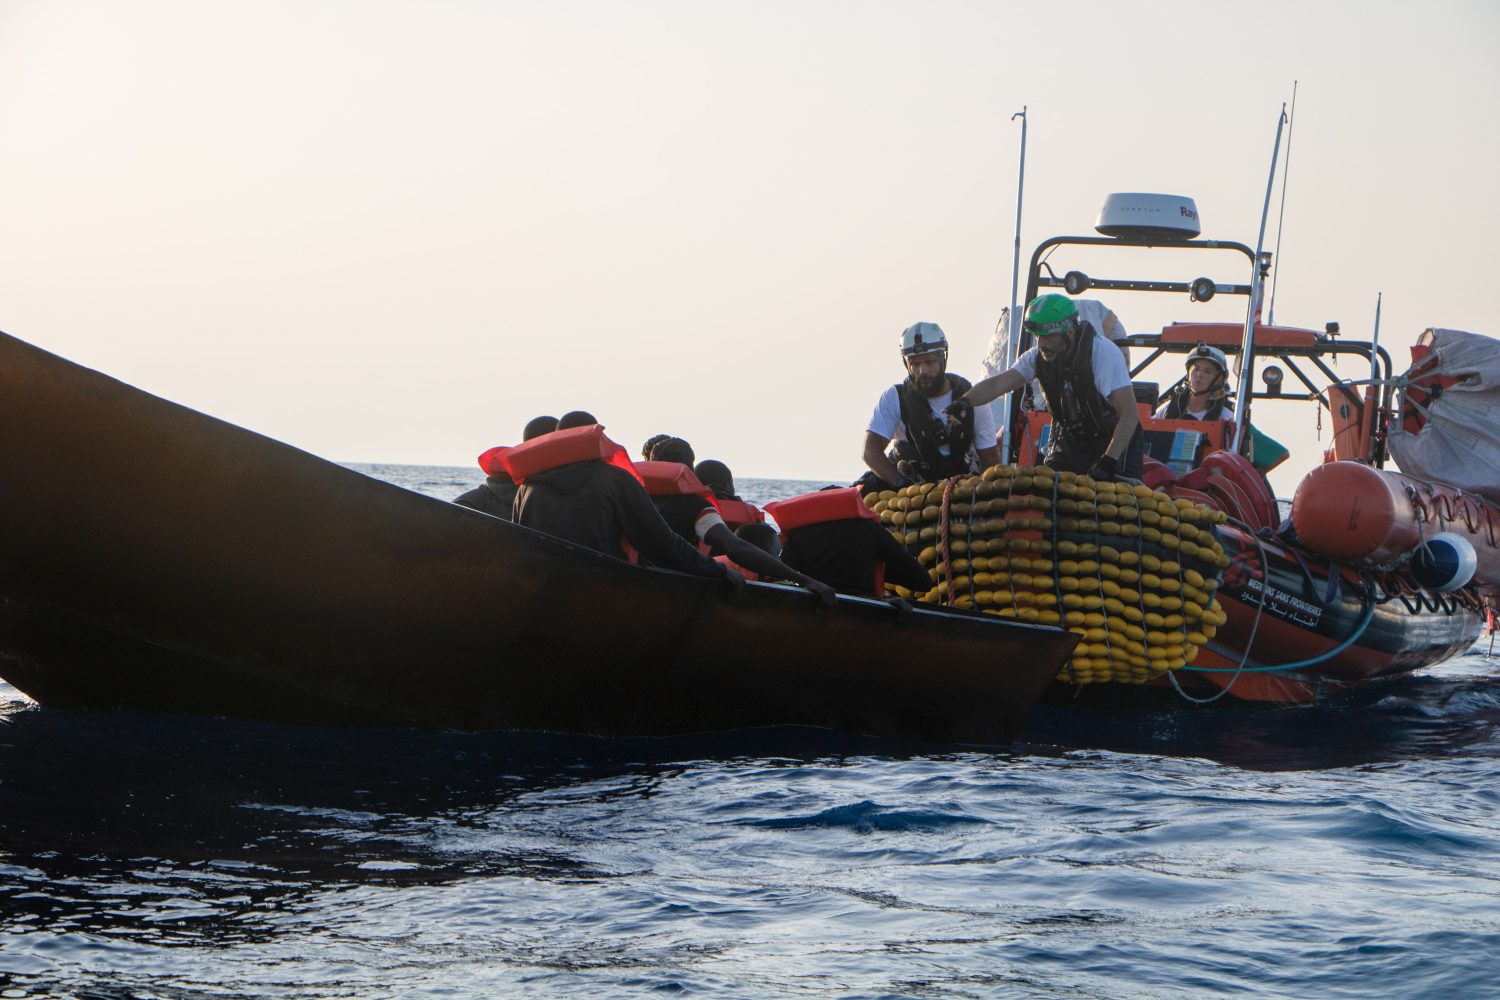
(929, 385)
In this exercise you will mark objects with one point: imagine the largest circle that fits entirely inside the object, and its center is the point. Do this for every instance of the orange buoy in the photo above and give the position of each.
(1359, 514)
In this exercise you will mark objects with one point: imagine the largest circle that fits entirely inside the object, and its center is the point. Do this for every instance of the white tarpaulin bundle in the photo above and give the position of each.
(1460, 442)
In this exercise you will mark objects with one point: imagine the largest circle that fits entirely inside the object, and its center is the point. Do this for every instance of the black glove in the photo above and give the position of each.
(960, 411)
(1106, 469)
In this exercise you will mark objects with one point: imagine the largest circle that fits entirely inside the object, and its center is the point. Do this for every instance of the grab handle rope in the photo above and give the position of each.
(1364, 622)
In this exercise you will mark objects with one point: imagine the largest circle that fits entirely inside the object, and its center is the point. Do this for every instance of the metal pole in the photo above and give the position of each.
(1374, 392)
(1257, 281)
(1015, 267)
(1008, 355)
(1286, 168)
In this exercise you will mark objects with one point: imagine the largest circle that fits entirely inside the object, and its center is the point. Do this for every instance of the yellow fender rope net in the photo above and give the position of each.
(1130, 569)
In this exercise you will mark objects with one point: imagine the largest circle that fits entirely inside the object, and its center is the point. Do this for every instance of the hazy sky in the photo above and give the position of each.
(394, 231)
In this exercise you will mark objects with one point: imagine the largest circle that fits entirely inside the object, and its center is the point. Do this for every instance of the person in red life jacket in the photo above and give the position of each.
(497, 494)
(666, 448)
(911, 414)
(834, 536)
(689, 509)
(1203, 394)
(575, 418)
(594, 502)
(652, 442)
(1095, 426)
(736, 512)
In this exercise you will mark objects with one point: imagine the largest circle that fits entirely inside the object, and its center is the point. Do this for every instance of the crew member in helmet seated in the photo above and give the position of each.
(1095, 426)
(1203, 394)
(927, 447)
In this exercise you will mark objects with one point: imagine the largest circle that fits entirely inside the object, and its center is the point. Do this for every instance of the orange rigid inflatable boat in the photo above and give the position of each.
(1375, 573)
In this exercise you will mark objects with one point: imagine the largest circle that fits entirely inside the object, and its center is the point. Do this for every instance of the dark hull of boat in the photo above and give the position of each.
(152, 557)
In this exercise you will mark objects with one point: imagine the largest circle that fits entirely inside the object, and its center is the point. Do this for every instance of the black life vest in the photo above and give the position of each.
(1080, 412)
(1177, 408)
(927, 434)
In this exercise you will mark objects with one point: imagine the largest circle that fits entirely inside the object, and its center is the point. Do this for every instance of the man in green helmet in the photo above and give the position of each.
(1095, 426)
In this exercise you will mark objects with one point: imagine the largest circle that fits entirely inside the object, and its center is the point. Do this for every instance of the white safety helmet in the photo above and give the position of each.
(923, 338)
(1212, 355)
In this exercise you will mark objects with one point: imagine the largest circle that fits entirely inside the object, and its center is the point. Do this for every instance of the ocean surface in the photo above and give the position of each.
(1349, 850)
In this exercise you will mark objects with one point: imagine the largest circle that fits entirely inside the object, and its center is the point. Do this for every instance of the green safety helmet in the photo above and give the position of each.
(1049, 314)
(1210, 354)
(923, 338)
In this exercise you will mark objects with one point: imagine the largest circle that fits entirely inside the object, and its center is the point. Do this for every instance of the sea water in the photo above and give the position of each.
(1348, 850)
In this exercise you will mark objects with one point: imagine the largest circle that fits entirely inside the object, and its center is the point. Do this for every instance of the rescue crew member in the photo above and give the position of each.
(596, 504)
(1095, 426)
(497, 494)
(910, 414)
(1203, 394)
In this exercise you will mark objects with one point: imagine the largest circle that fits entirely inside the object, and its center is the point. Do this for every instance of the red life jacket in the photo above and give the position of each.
(492, 462)
(576, 444)
(672, 479)
(814, 508)
(826, 505)
(748, 574)
(738, 513)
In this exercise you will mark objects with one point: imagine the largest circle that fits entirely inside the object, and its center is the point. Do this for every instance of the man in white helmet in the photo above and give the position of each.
(928, 447)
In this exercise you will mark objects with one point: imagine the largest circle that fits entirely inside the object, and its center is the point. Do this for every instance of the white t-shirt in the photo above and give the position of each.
(1110, 372)
(886, 420)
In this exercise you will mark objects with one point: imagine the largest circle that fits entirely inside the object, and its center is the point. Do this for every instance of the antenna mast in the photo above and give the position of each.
(1015, 267)
(1008, 354)
(1252, 316)
(1286, 168)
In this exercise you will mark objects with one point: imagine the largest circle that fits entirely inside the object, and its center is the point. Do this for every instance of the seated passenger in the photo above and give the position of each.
(736, 512)
(497, 494)
(573, 486)
(689, 508)
(671, 449)
(575, 418)
(652, 442)
(833, 535)
(762, 536)
(1202, 395)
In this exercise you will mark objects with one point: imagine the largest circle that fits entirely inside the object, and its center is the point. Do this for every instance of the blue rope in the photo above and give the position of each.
(1359, 630)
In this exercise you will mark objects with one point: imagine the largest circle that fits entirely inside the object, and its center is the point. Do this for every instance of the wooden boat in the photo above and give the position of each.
(155, 558)
(1303, 620)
